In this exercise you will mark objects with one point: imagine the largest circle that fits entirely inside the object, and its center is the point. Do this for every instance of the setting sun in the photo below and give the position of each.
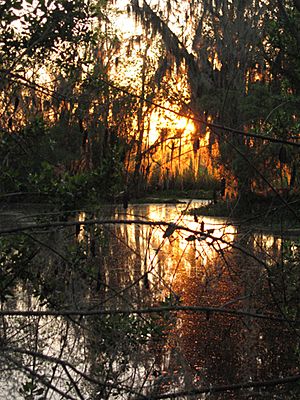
(186, 124)
(159, 122)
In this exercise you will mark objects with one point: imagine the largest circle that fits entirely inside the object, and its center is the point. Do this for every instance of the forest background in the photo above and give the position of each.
(188, 95)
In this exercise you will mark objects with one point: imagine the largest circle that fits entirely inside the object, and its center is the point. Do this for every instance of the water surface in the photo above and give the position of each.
(138, 266)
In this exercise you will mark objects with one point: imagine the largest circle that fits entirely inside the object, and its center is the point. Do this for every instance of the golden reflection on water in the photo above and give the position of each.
(199, 349)
(203, 348)
(169, 259)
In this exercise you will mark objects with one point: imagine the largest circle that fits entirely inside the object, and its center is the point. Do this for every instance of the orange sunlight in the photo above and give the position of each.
(159, 122)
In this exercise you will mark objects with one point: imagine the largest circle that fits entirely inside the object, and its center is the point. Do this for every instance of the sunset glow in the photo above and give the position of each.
(175, 124)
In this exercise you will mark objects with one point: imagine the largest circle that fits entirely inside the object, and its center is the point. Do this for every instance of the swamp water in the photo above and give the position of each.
(104, 268)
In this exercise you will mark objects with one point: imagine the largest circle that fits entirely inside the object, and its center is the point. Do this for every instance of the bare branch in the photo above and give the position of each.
(64, 364)
(227, 388)
(150, 310)
(40, 378)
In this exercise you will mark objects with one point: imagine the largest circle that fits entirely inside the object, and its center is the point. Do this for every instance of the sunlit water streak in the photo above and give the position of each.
(175, 251)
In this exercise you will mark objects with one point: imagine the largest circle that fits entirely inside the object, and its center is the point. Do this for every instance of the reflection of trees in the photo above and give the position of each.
(94, 345)
(74, 356)
(221, 349)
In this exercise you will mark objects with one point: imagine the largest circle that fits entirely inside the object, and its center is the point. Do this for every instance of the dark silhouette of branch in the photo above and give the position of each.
(72, 380)
(227, 388)
(39, 377)
(170, 395)
(150, 310)
(204, 122)
(64, 364)
(129, 222)
(180, 114)
(64, 344)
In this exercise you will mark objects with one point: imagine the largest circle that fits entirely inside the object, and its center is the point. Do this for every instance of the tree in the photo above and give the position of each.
(225, 59)
(58, 91)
